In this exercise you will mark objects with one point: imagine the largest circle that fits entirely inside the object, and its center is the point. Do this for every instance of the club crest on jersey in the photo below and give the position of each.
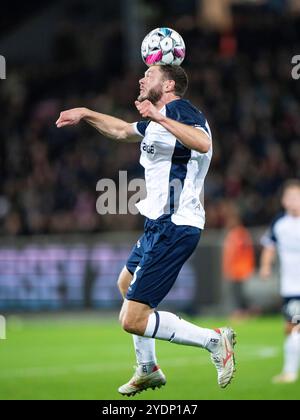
(148, 148)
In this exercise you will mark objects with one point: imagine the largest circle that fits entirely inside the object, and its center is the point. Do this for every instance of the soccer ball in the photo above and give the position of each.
(163, 46)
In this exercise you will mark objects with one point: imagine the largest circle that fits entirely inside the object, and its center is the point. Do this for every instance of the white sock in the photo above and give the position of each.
(145, 353)
(292, 353)
(169, 327)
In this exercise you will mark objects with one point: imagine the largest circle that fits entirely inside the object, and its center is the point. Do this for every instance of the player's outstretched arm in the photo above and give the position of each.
(107, 125)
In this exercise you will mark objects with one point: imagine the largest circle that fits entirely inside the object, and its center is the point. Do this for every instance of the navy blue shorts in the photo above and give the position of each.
(291, 309)
(157, 259)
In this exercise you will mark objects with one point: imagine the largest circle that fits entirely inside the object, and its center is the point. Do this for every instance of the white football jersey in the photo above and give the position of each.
(174, 174)
(285, 235)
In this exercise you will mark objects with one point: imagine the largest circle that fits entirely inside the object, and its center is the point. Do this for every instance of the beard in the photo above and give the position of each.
(154, 95)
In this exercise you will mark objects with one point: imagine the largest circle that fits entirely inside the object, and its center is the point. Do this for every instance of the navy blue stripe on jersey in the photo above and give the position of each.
(270, 238)
(142, 126)
(181, 154)
(178, 171)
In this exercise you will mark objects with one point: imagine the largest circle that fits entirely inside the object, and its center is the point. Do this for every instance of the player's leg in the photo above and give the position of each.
(124, 280)
(291, 356)
(156, 275)
(147, 374)
(144, 347)
(141, 320)
(239, 298)
(292, 343)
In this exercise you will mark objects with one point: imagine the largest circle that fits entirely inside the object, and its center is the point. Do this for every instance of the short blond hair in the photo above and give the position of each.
(291, 183)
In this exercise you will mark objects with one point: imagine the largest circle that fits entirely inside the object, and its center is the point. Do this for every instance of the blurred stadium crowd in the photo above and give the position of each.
(240, 78)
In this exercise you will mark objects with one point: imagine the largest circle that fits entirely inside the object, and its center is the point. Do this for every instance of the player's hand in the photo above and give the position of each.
(70, 117)
(148, 110)
(265, 272)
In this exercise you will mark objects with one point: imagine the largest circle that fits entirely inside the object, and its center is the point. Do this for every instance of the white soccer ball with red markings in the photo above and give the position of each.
(163, 46)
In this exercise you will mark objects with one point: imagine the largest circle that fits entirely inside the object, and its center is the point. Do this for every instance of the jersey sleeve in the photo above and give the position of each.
(185, 113)
(270, 237)
(140, 127)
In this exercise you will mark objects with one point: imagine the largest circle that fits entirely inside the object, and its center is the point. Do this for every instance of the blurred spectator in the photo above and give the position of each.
(238, 258)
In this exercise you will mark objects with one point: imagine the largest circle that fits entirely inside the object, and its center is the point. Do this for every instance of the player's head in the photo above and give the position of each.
(160, 80)
(291, 197)
(177, 75)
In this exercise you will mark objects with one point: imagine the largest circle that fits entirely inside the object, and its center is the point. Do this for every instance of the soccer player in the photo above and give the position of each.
(284, 237)
(176, 149)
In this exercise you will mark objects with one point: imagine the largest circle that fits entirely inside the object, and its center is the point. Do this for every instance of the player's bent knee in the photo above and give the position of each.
(131, 326)
(128, 325)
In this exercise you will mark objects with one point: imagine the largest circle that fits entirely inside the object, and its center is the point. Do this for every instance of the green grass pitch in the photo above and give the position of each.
(88, 358)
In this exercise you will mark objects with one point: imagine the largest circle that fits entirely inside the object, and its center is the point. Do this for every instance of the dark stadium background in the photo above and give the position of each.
(57, 254)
